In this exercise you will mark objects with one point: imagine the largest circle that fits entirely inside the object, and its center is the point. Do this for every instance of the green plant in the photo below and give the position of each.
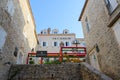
(56, 62)
(64, 61)
(48, 63)
(53, 62)
(31, 62)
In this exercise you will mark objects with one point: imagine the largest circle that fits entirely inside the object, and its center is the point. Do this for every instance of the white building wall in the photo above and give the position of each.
(50, 39)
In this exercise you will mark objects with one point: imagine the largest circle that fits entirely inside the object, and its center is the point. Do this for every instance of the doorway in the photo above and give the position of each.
(94, 59)
(20, 58)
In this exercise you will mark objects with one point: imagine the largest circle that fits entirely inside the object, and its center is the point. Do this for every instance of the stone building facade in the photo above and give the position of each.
(51, 41)
(101, 26)
(17, 33)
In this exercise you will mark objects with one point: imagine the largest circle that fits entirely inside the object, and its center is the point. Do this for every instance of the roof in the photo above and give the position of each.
(72, 34)
(83, 10)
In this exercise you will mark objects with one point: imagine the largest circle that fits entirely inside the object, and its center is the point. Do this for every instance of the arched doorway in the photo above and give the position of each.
(19, 58)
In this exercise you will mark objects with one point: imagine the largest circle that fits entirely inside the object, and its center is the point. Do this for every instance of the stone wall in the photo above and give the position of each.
(66, 71)
(12, 37)
(102, 34)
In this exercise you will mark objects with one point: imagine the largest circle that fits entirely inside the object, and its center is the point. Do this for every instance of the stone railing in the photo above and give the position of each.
(90, 73)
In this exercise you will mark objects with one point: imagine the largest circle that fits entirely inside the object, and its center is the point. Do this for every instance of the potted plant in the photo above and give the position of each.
(31, 61)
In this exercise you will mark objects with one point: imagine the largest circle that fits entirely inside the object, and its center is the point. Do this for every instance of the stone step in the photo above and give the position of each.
(68, 71)
(45, 72)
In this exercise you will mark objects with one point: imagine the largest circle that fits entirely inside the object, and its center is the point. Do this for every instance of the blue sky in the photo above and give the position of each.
(58, 14)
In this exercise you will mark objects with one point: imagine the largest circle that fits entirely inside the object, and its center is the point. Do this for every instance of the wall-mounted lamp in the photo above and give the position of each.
(97, 48)
(32, 50)
(7, 63)
(16, 51)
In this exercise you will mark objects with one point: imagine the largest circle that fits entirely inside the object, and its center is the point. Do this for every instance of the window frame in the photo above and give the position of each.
(43, 44)
(66, 32)
(87, 24)
(55, 32)
(55, 44)
(67, 43)
(111, 8)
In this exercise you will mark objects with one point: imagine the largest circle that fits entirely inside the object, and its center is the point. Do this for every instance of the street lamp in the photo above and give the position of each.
(76, 42)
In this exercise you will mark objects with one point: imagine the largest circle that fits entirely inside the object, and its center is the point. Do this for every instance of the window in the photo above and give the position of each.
(41, 32)
(111, 5)
(66, 32)
(55, 32)
(87, 25)
(45, 32)
(66, 43)
(44, 44)
(55, 44)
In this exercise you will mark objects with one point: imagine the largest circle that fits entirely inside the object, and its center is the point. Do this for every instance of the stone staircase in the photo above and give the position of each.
(45, 72)
(66, 71)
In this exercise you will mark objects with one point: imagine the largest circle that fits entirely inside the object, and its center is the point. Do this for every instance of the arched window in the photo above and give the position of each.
(65, 31)
(55, 31)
